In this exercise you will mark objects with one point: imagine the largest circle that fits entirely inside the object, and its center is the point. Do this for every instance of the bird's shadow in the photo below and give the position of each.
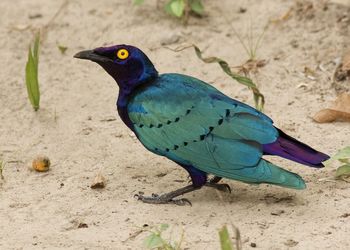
(249, 196)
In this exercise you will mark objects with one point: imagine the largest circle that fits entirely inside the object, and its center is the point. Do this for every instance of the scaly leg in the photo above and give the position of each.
(169, 198)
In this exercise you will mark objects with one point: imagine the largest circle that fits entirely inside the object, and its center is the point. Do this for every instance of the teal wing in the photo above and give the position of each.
(192, 123)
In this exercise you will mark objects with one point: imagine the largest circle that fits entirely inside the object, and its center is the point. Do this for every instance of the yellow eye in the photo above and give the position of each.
(122, 54)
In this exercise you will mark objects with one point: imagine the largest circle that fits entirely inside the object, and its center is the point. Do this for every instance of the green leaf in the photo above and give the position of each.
(343, 171)
(197, 6)
(152, 241)
(163, 227)
(225, 240)
(138, 2)
(175, 7)
(62, 49)
(259, 98)
(31, 73)
(342, 154)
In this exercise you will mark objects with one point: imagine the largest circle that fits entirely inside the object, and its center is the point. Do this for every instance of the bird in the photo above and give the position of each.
(190, 122)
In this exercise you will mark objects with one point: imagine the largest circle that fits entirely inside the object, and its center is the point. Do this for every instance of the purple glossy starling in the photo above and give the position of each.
(195, 125)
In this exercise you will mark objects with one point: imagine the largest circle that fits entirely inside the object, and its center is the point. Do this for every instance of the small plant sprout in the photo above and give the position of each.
(31, 73)
(225, 240)
(156, 241)
(181, 8)
(253, 43)
(343, 157)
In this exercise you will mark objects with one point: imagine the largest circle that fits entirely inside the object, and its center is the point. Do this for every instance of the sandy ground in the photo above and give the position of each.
(78, 129)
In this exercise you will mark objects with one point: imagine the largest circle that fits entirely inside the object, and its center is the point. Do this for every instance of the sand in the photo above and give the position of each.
(78, 129)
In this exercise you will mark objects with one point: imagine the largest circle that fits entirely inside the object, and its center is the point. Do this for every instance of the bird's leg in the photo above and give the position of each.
(213, 182)
(199, 179)
(168, 198)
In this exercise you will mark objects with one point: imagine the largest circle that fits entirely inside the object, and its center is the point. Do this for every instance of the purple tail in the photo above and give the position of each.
(292, 149)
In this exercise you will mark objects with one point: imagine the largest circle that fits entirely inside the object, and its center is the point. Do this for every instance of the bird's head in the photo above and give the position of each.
(128, 65)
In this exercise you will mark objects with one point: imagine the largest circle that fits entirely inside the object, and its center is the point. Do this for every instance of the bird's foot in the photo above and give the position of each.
(162, 199)
(221, 187)
(168, 198)
(213, 182)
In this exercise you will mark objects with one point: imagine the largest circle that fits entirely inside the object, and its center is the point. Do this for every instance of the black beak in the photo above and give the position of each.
(92, 56)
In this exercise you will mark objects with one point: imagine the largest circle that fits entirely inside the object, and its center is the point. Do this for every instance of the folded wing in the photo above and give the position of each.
(191, 122)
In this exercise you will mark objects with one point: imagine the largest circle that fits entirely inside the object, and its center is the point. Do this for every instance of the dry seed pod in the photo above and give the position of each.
(41, 163)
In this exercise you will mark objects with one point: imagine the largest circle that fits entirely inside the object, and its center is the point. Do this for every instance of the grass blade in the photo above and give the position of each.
(31, 74)
(36, 49)
(259, 98)
(225, 240)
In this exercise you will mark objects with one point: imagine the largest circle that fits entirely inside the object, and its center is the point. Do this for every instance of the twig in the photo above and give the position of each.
(134, 235)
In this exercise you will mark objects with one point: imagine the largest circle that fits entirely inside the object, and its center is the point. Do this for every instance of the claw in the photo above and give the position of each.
(226, 188)
(221, 187)
(181, 202)
(138, 196)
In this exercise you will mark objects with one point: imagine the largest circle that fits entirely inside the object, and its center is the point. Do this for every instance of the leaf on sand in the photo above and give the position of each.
(343, 70)
(153, 240)
(340, 110)
(343, 172)
(342, 154)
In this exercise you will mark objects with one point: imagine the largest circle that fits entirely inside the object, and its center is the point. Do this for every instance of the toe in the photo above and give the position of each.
(226, 188)
(181, 202)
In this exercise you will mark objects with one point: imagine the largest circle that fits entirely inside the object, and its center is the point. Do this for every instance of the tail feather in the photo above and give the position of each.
(292, 149)
(282, 177)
